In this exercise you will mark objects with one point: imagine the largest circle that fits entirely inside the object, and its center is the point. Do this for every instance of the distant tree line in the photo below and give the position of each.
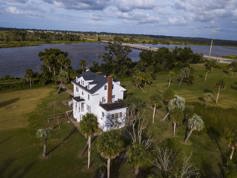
(23, 35)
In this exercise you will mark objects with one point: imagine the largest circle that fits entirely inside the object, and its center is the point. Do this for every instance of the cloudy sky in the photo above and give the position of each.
(198, 18)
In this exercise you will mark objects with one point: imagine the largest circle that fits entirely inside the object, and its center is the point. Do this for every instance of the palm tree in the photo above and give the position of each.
(157, 102)
(232, 139)
(109, 145)
(138, 156)
(43, 134)
(176, 116)
(28, 76)
(177, 102)
(83, 65)
(171, 77)
(185, 74)
(194, 123)
(220, 85)
(88, 127)
(63, 78)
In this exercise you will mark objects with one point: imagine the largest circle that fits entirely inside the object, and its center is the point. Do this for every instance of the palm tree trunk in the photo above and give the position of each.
(154, 113)
(180, 82)
(108, 168)
(166, 116)
(206, 75)
(136, 170)
(30, 82)
(169, 83)
(89, 151)
(232, 152)
(44, 148)
(218, 94)
(174, 128)
(189, 134)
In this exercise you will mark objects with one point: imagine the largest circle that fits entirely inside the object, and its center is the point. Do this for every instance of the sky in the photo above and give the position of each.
(193, 18)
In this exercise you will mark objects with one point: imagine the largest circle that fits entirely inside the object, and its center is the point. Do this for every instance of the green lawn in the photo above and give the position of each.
(21, 150)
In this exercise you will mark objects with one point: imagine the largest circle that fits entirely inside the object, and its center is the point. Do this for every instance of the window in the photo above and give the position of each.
(77, 89)
(82, 107)
(116, 115)
(103, 114)
(88, 97)
(105, 87)
(88, 108)
(103, 99)
(120, 114)
(112, 116)
(113, 96)
(112, 86)
(82, 93)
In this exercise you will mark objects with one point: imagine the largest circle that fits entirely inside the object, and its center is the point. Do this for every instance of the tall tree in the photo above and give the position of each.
(177, 102)
(116, 60)
(171, 78)
(142, 79)
(170, 165)
(194, 123)
(139, 150)
(88, 127)
(82, 65)
(54, 61)
(185, 75)
(176, 116)
(220, 86)
(28, 76)
(157, 103)
(62, 78)
(109, 145)
(232, 142)
(43, 134)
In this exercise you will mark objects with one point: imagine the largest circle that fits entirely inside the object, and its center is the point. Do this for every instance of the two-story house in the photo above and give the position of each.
(101, 96)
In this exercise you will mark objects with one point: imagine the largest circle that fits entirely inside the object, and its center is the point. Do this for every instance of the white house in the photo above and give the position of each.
(101, 96)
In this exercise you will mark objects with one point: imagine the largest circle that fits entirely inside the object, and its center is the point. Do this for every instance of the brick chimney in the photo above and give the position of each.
(110, 88)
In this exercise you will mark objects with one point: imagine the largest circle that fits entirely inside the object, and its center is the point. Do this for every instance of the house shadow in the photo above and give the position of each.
(74, 130)
(8, 102)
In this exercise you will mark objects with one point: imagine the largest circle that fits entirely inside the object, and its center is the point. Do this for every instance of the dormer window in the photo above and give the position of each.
(105, 87)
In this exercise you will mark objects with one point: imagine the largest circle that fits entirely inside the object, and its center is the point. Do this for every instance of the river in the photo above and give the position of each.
(14, 61)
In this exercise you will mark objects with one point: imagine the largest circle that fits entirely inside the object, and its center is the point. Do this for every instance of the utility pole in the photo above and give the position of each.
(210, 48)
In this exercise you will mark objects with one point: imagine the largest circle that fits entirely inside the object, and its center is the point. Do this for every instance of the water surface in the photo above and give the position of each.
(14, 61)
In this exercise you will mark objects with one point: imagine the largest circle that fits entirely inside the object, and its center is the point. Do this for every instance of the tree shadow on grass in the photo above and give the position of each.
(74, 130)
(215, 137)
(8, 102)
(101, 171)
(5, 140)
(19, 172)
(116, 165)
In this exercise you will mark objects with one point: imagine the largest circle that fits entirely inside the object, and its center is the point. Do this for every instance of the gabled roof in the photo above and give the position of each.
(97, 79)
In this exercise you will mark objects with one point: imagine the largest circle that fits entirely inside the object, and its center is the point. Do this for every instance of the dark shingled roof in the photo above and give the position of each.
(98, 79)
(113, 106)
(78, 99)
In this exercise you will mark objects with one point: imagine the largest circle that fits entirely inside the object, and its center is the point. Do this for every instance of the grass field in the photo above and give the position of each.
(21, 149)
(15, 105)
